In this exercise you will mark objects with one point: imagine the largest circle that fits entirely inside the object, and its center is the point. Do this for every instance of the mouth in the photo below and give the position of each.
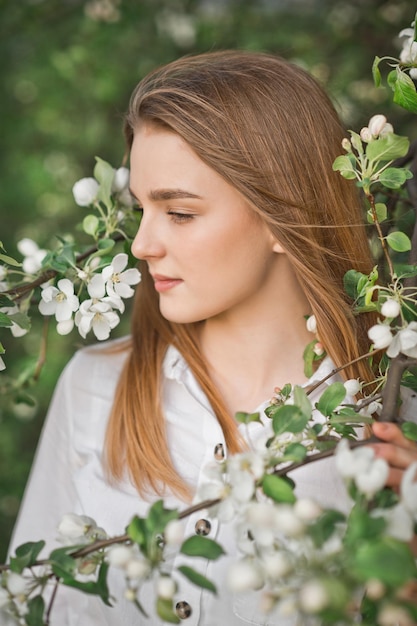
(165, 283)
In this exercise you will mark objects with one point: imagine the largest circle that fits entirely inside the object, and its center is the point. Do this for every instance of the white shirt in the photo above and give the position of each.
(67, 476)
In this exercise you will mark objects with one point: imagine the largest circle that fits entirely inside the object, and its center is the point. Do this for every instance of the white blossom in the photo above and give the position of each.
(287, 522)
(311, 324)
(120, 180)
(96, 316)
(276, 565)
(408, 54)
(400, 523)
(359, 464)
(2, 364)
(352, 386)
(17, 584)
(85, 191)
(373, 479)
(33, 255)
(313, 597)
(405, 341)
(174, 532)
(409, 489)
(390, 308)
(74, 526)
(4, 598)
(137, 569)
(244, 575)
(118, 281)
(377, 127)
(307, 510)
(380, 335)
(59, 301)
(120, 555)
(165, 587)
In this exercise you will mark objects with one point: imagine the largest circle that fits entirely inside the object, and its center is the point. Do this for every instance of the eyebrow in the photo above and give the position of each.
(170, 194)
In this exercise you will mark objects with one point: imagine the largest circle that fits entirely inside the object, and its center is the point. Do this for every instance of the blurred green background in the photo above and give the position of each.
(67, 69)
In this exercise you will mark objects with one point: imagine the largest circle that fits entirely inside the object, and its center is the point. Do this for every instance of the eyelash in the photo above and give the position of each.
(177, 218)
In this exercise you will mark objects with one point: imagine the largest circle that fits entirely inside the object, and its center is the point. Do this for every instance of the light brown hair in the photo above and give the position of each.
(268, 128)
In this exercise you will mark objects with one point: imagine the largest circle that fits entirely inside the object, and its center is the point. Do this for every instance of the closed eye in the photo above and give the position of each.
(180, 218)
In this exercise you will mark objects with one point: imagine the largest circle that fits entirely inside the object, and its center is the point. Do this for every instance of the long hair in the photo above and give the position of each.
(267, 127)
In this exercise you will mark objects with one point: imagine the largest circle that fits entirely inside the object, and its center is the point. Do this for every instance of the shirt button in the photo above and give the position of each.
(219, 452)
(202, 527)
(183, 610)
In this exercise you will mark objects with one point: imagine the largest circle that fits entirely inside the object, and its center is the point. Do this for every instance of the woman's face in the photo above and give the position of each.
(208, 253)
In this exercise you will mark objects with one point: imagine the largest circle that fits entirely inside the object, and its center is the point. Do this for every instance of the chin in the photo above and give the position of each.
(181, 317)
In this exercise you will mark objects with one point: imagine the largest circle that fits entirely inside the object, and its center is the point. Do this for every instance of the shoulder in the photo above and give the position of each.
(96, 367)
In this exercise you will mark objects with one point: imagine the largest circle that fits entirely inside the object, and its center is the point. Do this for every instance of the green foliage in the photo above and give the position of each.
(278, 489)
(197, 578)
(202, 546)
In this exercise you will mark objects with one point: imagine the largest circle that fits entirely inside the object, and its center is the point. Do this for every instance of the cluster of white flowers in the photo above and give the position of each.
(377, 127)
(360, 466)
(97, 313)
(404, 341)
(14, 595)
(408, 54)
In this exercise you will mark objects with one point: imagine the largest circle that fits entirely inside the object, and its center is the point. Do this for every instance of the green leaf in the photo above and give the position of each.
(331, 398)
(381, 214)
(158, 517)
(21, 320)
(394, 177)
(323, 528)
(288, 419)
(405, 91)
(309, 357)
(137, 531)
(398, 241)
(409, 430)
(90, 224)
(344, 165)
(105, 245)
(26, 555)
(246, 418)
(9, 260)
(104, 174)
(202, 546)
(165, 610)
(376, 74)
(95, 588)
(36, 609)
(5, 301)
(387, 559)
(278, 489)
(197, 578)
(5, 320)
(295, 452)
(302, 400)
(348, 415)
(387, 148)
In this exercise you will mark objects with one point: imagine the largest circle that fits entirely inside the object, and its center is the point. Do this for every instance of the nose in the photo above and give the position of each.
(148, 243)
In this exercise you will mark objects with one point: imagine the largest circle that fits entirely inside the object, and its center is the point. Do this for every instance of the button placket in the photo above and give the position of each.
(183, 609)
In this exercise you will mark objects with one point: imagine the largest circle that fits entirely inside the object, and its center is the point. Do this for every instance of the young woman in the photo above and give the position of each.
(245, 230)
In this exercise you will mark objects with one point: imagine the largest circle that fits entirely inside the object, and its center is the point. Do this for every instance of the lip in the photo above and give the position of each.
(165, 283)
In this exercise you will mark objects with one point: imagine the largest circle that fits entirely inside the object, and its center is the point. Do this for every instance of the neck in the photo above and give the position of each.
(252, 351)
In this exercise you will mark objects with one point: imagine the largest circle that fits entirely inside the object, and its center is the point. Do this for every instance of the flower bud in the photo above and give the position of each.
(17, 584)
(121, 179)
(376, 124)
(165, 587)
(130, 595)
(73, 526)
(137, 569)
(174, 533)
(318, 349)
(276, 565)
(311, 324)
(119, 556)
(307, 510)
(313, 597)
(380, 335)
(244, 576)
(375, 589)
(346, 145)
(390, 308)
(352, 386)
(85, 191)
(395, 615)
(366, 134)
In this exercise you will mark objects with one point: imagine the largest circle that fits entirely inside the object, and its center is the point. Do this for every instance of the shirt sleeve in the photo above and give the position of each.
(50, 492)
